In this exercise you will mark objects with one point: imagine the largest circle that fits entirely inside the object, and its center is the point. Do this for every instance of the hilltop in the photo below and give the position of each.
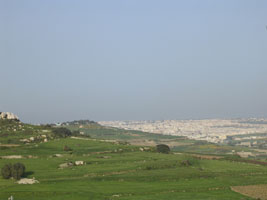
(8, 115)
(14, 132)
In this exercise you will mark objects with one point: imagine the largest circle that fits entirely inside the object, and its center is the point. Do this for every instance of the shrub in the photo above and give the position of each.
(190, 161)
(148, 167)
(6, 171)
(47, 126)
(3, 148)
(17, 171)
(10, 141)
(67, 148)
(62, 132)
(186, 163)
(76, 132)
(163, 148)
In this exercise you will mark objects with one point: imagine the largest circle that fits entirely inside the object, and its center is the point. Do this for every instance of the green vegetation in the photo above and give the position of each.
(67, 148)
(61, 132)
(79, 122)
(176, 143)
(15, 171)
(6, 171)
(15, 132)
(116, 170)
(163, 148)
(95, 130)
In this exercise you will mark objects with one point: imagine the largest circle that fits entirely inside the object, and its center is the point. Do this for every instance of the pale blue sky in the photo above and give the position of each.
(133, 60)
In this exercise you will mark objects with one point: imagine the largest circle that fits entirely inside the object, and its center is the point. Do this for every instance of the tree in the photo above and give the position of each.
(17, 171)
(163, 148)
(62, 132)
(6, 171)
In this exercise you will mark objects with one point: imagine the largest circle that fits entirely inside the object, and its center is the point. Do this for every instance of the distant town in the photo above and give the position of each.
(211, 130)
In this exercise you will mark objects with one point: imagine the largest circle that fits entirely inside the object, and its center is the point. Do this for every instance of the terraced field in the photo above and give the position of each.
(122, 171)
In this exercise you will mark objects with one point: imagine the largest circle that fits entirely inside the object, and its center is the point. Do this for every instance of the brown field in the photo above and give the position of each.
(254, 191)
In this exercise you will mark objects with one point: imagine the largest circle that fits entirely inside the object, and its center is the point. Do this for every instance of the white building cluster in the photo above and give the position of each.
(212, 130)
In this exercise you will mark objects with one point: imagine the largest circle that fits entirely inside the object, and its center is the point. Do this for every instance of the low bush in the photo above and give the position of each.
(190, 161)
(163, 148)
(3, 148)
(67, 148)
(186, 163)
(61, 132)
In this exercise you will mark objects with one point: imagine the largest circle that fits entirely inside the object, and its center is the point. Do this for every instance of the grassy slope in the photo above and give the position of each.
(177, 143)
(101, 132)
(129, 174)
(12, 131)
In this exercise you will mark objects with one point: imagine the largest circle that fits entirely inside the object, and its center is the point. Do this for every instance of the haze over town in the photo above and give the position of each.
(211, 130)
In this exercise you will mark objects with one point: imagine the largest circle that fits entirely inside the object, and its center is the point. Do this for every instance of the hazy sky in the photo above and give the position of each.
(133, 59)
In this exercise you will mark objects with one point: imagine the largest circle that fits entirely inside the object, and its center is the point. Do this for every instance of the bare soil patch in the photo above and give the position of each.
(17, 157)
(9, 145)
(91, 139)
(141, 142)
(12, 157)
(261, 150)
(254, 191)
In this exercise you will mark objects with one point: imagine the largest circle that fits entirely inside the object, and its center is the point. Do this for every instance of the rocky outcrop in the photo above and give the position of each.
(79, 162)
(65, 165)
(8, 115)
(27, 181)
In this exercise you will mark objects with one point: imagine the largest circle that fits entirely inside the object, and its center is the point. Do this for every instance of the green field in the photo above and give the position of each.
(122, 171)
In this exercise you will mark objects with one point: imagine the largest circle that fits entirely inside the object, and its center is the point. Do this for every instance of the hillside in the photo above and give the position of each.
(117, 170)
(16, 132)
(13, 132)
(177, 143)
